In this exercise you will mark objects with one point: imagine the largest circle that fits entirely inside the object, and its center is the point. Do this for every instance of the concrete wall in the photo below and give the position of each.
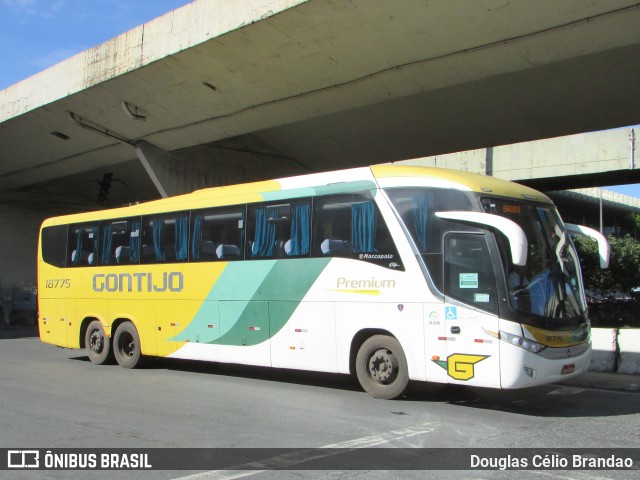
(615, 350)
(18, 244)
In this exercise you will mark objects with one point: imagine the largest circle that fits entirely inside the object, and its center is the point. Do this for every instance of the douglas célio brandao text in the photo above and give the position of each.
(549, 461)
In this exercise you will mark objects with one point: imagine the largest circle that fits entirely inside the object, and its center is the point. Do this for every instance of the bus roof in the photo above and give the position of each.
(474, 182)
(340, 181)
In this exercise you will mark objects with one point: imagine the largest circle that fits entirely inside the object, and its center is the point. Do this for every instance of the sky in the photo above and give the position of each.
(36, 34)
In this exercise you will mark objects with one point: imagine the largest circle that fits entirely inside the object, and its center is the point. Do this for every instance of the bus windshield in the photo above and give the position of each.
(549, 287)
(547, 292)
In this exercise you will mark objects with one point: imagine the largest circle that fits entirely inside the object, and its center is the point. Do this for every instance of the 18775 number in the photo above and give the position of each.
(58, 283)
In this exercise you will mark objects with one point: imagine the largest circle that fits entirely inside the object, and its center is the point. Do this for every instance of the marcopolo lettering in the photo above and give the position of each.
(138, 282)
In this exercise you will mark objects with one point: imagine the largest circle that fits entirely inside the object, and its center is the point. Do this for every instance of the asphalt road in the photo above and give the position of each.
(55, 398)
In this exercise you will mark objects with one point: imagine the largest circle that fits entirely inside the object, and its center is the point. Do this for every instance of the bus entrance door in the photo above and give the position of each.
(470, 311)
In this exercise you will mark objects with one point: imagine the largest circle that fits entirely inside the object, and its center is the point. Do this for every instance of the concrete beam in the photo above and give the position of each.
(178, 30)
(554, 159)
(157, 164)
(239, 160)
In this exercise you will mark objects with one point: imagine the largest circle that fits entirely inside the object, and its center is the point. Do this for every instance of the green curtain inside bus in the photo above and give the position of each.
(79, 241)
(265, 235)
(196, 241)
(182, 238)
(94, 239)
(134, 241)
(363, 227)
(300, 228)
(106, 244)
(158, 228)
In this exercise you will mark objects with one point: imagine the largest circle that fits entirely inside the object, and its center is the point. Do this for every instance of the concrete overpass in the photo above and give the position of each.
(220, 92)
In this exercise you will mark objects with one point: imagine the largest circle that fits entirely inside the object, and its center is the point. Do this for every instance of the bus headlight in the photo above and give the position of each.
(525, 343)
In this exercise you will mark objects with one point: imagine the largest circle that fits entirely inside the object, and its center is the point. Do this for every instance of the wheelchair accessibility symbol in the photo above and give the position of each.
(451, 313)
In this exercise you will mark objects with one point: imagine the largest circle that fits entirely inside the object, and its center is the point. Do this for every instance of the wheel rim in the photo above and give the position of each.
(96, 341)
(382, 366)
(127, 345)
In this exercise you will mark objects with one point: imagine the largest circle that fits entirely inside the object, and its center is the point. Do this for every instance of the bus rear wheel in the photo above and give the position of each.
(97, 343)
(381, 367)
(126, 346)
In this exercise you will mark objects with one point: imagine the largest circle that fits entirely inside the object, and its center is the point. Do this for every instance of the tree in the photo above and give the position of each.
(613, 294)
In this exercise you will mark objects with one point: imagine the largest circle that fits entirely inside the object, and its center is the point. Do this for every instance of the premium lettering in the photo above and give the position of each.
(343, 282)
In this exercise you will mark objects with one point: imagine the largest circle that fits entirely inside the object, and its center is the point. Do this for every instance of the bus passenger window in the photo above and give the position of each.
(120, 241)
(83, 245)
(279, 230)
(54, 245)
(216, 234)
(350, 225)
(165, 238)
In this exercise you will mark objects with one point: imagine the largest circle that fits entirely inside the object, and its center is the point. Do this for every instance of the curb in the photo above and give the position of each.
(605, 381)
(615, 350)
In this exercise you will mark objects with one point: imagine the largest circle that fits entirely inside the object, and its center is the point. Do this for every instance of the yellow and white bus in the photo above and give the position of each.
(391, 273)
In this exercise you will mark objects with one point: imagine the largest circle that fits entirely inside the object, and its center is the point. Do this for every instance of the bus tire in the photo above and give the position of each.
(381, 367)
(126, 346)
(98, 344)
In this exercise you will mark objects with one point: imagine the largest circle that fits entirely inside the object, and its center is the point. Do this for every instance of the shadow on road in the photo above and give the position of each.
(18, 331)
(545, 401)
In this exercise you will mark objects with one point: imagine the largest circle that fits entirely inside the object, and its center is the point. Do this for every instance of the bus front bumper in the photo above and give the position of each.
(529, 369)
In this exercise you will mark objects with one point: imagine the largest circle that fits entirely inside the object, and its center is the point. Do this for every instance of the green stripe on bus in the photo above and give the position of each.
(275, 287)
(332, 188)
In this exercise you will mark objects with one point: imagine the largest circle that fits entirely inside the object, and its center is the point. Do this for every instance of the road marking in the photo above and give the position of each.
(289, 460)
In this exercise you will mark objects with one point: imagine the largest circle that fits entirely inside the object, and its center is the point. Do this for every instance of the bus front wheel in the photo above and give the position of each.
(381, 367)
(97, 343)
(126, 346)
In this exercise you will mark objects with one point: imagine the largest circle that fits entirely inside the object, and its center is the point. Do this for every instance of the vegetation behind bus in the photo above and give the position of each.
(613, 294)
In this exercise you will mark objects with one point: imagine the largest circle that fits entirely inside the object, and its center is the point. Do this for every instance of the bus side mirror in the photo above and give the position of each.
(517, 238)
(604, 248)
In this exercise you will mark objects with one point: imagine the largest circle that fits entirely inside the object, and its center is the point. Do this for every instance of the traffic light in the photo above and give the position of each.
(105, 185)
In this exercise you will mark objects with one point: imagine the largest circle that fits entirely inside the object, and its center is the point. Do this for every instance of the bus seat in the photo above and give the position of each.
(208, 249)
(278, 248)
(84, 257)
(334, 247)
(227, 251)
(123, 254)
(91, 259)
(287, 247)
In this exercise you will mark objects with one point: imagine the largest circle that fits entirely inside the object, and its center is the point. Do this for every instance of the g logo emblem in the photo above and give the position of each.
(461, 366)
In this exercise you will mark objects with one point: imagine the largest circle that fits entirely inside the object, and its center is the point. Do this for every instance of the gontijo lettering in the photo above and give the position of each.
(138, 282)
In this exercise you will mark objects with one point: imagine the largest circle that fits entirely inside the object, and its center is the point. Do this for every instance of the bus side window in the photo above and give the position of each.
(54, 245)
(217, 234)
(165, 238)
(83, 245)
(120, 241)
(350, 225)
(279, 230)
(332, 226)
